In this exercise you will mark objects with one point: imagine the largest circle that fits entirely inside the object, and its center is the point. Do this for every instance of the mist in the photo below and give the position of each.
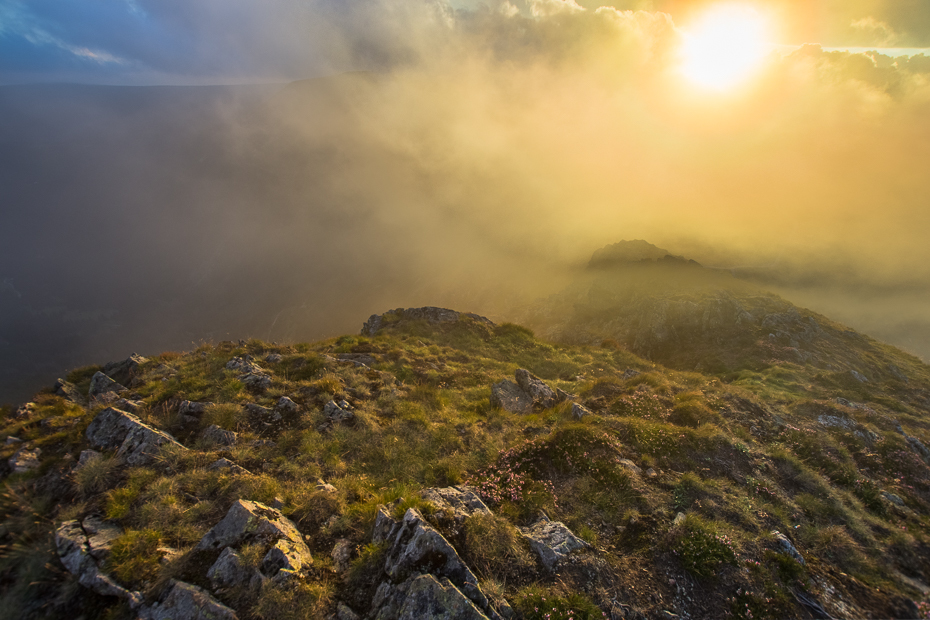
(476, 162)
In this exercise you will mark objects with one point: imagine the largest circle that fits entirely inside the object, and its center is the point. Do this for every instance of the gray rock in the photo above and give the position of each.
(861, 378)
(72, 546)
(85, 457)
(552, 541)
(24, 411)
(424, 597)
(542, 395)
(894, 499)
(430, 314)
(384, 525)
(325, 487)
(416, 547)
(131, 406)
(629, 373)
(187, 602)
(137, 443)
(251, 521)
(579, 411)
(215, 435)
(100, 536)
(342, 555)
(286, 554)
(287, 408)
(126, 370)
(274, 358)
(251, 374)
(228, 570)
(12, 440)
(787, 547)
(339, 411)
(919, 447)
(344, 612)
(564, 396)
(225, 463)
(69, 391)
(631, 466)
(101, 384)
(458, 502)
(262, 415)
(25, 459)
(509, 396)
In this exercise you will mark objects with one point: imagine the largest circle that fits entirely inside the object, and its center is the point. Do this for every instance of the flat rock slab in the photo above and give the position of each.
(423, 597)
(509, 396)
(187, 602)
(460, 502)
(552, 541)
(137, 443)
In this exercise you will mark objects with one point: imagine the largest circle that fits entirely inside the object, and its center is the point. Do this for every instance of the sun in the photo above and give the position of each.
(724, 46)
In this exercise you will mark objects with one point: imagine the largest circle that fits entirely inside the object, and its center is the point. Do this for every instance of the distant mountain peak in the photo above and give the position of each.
(634, 251)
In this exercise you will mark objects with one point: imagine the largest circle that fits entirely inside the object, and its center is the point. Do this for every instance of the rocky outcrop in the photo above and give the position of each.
(286, 554)
(551, 541)
(529, 393)
(340, 411)
(432, 315)
(423, 597)
(251, 374)
(69, 391)
(416, 547)
(127, 370)
(76, 552)
(136, 443)
(787, 547)
(102, 384)
(508, 396)
(184, 601)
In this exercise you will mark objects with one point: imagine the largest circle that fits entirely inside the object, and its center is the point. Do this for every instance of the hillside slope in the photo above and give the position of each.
(402, 474)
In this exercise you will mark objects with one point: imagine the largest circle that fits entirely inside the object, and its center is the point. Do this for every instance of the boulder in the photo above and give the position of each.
(431, 314)
(100, 536)
(225, 463)
(187, 602)
(542, 395)
(73, 550)
(228, 570)
(215, 435)
(69, 391)
(286, 408)
(101, 384)
(286, 554)
(384, 525)
(458, 502)
(192, 408)
(25, 459)
(126, 370)
(423, 597)
(262, 415)
(340, 411)
(509, 396)
(137, 443)
(552, 541)
(416, 547)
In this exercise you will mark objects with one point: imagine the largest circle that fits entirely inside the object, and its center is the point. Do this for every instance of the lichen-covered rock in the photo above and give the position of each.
(787, 547)
(416, 547)
(286, 554)
(225, 463)
(25, 459)
(215, 435)
(542, 395)
(423, 597)
(509, 396)
(384, 525)
(552, 541)
(73, 550)
(229, 570)
(251, 521)
(340, 411)
(187, 602)
(459, 502)
(137, 443)
(101, 384)
(430, 314)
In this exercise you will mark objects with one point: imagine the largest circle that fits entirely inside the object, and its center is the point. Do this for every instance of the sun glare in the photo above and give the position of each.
(724, 46)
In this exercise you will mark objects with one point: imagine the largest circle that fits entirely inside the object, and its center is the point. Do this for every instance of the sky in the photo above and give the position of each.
(477, 154)
(236, 41)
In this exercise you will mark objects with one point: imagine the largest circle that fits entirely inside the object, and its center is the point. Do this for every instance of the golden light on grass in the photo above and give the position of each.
(724, 46)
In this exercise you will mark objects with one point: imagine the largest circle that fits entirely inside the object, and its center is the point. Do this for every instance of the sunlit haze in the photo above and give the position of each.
(724, 46)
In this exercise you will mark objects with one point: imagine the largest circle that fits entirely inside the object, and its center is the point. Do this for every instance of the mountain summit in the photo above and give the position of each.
(678, 446)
